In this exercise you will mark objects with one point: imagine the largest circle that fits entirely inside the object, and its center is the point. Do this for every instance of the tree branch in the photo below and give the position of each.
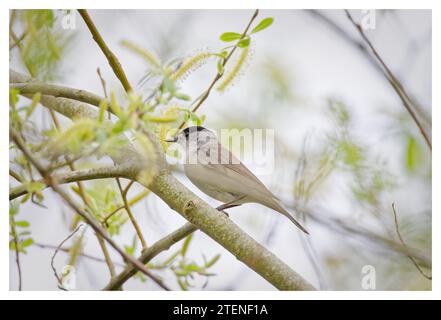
(364, 50)
(17, 249)
(411, 258)
(129, 212)
(57, 91)
(338, 226)
(151, 252)
(59, 280)
(396, 85)
(75, 176)
(111, 58)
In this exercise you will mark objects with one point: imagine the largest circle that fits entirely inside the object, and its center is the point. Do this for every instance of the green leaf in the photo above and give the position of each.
(220, 66)
(186, 116)
(103, 109)
(27, 243)
(26, 198)
(182, 284)
(186, 244)
(265, 23)
(14, 208)
(196, 119)
(244, 43)
(114, 105)
(414, 154)
(22, 224)
(35, 100)
(169, 85)
(230, 36)
(182, 96)
(33, 186)
(212, 261)
(40, 18)
(352, 154)
(13, 96)
(171, 258)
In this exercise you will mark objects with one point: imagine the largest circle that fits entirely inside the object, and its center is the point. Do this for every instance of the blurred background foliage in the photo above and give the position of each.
(345, 146)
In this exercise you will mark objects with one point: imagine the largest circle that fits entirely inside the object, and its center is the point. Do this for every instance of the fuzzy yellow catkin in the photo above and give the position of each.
(228, 79)
(189, 65)
(150, 57)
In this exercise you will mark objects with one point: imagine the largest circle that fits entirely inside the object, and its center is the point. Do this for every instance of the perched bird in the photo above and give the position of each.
(219, 174)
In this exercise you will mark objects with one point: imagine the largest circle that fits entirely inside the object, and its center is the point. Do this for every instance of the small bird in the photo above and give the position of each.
(219, 174)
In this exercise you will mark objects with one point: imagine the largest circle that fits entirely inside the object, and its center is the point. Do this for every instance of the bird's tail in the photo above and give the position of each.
(276, 206)
(290, 217)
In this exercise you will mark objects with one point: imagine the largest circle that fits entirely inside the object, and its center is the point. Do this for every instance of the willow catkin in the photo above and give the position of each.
(150, 57)
(237, 67)
(190, 64)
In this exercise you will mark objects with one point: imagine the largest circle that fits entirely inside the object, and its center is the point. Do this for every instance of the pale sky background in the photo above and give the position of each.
(320, 65)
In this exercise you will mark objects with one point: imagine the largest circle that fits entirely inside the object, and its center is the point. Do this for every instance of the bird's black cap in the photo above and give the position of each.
(193, 129)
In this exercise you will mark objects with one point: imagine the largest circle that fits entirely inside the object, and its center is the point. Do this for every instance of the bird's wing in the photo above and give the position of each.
(236, 171)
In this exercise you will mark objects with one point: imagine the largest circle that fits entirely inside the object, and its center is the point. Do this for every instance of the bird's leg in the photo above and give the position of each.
(230, 204)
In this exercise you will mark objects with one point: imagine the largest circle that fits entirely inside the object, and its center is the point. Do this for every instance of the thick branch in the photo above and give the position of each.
(74, 176)
(57, 91)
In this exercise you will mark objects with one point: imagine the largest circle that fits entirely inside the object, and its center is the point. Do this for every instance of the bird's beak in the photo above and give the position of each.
(174, 139)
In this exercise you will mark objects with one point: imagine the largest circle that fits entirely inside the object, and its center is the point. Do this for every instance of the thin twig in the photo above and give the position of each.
(131, 202)
(302, 194)
(107, 258)
(111, 58)
(396, 85)
(129, 211)
(70, 160)
(219, 75)
(397, 229)
(107, 217)
(97, 228)
(12, 18)
(18, 43)
(338, 226)
(103, 84)
(18, 40)
(17, 251)
(60, 282)
(67, 250)
(360, 46)
(15, 175)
